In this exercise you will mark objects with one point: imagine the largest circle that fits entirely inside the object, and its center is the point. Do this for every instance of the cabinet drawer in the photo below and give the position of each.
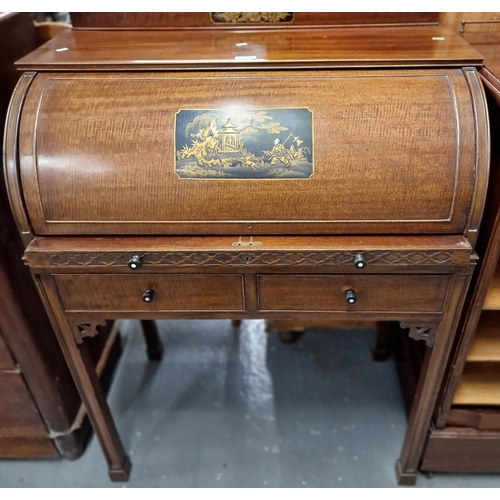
(374, 293)
(171, 292)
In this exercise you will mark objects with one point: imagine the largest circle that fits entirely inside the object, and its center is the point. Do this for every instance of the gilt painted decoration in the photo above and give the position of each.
(252, 17)
(244, 143)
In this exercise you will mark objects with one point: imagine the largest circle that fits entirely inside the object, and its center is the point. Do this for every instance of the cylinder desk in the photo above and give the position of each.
(338, 173)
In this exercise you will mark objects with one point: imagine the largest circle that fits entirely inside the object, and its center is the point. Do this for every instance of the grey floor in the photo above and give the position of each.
(234, 407)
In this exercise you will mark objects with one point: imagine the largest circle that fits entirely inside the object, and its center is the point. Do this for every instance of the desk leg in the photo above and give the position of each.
(100, 415)
(382, 347)
(429, 385)
(153, 342)
(87, 382)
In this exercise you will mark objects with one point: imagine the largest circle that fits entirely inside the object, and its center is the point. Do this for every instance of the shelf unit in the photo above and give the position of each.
(486, 344)
(479, 385)
(480, 381)
(465, 436)
(492, 301)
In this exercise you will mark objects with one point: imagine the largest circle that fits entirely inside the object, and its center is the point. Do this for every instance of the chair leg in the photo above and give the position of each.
(153, 342)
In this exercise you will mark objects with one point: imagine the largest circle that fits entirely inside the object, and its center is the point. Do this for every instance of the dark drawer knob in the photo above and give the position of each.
(350, 297)
(148, 296)
(134, 262)
(359, 261)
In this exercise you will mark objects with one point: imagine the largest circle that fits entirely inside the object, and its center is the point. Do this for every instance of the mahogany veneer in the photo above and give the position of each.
(176, 20)
(253, 48)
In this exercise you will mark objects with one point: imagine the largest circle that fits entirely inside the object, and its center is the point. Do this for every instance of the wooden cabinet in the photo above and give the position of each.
(278, 174)
(466, 435)
(41, 413)
(175, 20)
(22, 430)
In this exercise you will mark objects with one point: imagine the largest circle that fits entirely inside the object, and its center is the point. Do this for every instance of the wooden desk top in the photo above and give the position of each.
(252, 49)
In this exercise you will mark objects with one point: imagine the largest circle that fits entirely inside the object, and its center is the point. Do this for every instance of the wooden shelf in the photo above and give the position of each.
(486, 345)
(479, 385)
(492, 301)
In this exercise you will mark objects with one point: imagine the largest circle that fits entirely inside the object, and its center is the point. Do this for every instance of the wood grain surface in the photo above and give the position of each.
(456, 244)
(152, 20)
(173, 292)
(477, 417)
(492, 300)
(119, 160)
(479, 385)
(297, 48)
(387, 253)
(22, 430)
(453, 20)
(487, 43)
(462, 450)
(486, 344)
(374, 293)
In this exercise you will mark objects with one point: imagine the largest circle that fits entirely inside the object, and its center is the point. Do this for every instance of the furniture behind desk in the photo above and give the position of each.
(41, 413)
(466, 436)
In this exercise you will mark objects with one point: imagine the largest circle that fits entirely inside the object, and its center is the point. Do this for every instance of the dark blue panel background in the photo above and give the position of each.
(297, 121)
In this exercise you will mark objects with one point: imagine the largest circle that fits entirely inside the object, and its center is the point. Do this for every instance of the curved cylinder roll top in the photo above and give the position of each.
(395, 151)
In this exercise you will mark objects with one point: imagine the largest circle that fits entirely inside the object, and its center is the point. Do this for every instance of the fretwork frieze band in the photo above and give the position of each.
(263, 258)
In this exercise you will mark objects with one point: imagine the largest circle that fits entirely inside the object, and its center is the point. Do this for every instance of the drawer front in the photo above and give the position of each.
(171, 292)
(375, 293)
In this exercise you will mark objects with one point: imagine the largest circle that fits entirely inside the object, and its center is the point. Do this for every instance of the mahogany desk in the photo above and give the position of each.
(339, 173)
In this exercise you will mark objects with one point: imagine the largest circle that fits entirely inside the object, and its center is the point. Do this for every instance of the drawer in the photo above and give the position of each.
(374, 293)
(171, 292)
